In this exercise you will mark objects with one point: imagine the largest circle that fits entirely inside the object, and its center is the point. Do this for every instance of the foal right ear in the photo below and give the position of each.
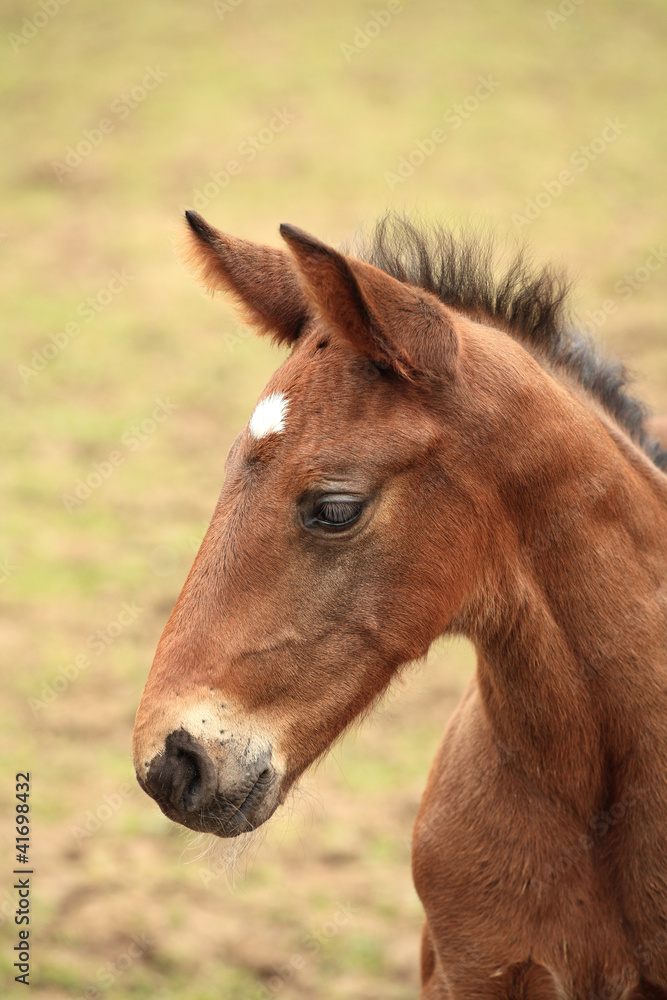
(262, 279)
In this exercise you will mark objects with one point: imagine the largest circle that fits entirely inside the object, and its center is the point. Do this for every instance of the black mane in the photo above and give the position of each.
(529, 302)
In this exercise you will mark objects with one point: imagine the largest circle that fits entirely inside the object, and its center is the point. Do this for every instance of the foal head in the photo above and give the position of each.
(360, 511)
(319, 573)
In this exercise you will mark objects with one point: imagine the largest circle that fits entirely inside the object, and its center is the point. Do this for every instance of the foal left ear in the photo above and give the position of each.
(393, 324)
(262, 279)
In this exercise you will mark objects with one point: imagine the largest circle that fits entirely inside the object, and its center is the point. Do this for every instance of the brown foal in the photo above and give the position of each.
(440, 453)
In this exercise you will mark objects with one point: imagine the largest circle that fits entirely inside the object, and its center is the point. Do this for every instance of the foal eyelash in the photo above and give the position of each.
(332, 513)
(337, 511)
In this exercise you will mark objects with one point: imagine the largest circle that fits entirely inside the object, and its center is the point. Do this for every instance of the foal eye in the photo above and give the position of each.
(336, 512)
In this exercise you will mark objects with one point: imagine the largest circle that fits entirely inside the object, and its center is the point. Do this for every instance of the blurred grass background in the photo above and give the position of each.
(123, 907)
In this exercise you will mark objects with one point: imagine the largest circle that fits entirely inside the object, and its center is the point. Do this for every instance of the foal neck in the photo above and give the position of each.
(571, 630)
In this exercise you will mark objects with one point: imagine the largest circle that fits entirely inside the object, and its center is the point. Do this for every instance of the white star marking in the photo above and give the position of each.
(269, 415)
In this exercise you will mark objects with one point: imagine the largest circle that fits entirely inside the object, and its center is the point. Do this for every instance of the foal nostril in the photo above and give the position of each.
(183, 775)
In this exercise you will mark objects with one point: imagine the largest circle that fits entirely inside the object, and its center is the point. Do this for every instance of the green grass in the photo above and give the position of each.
(134, 537)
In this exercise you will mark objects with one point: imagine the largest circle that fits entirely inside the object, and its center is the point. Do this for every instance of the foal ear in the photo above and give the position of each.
(389, 322)
(262, 279)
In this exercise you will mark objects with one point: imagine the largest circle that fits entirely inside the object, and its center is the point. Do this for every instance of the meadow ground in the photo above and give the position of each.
(115, 118)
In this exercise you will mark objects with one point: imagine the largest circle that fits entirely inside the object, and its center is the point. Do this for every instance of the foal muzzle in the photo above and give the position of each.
(228, 790)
